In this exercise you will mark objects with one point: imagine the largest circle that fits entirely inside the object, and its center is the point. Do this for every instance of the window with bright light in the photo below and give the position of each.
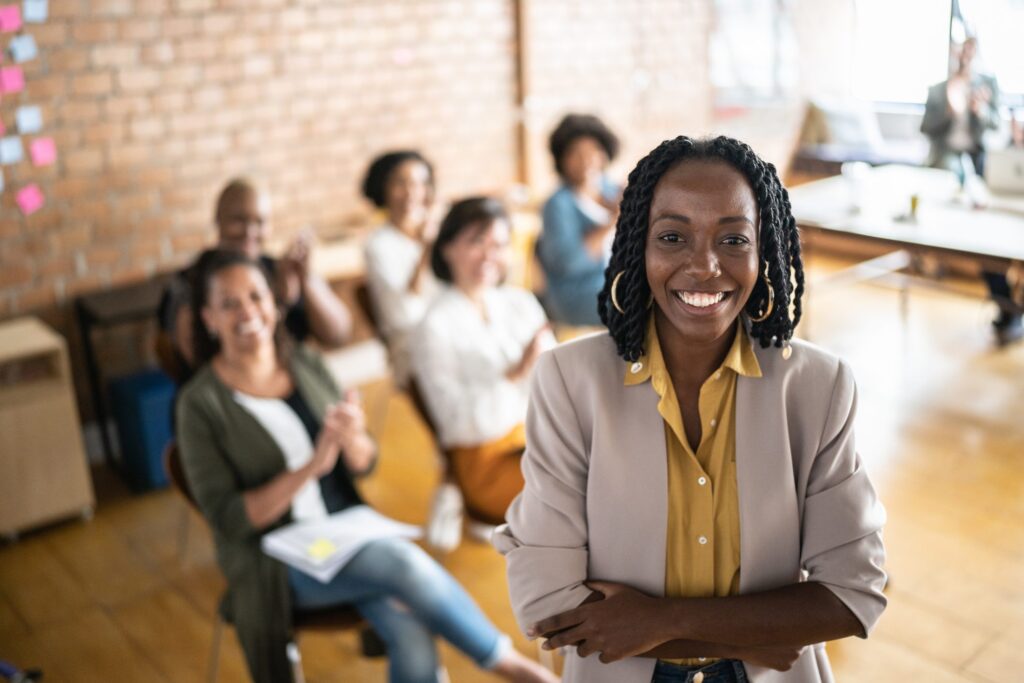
(901, 49)
(997, 25)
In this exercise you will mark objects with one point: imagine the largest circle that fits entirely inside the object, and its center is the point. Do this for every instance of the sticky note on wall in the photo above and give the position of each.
(23, 48)
(11, 150)
(30, 199)
(36, 11)
(11, 80)
(29, 119)
(43, 151)
(10, 18)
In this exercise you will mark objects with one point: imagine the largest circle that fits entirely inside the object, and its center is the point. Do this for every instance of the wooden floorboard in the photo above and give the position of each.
(939, 425)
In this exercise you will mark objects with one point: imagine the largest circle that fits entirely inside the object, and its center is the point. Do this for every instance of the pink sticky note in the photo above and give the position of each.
(42, 151)
(11, 79)
(30, 199)
(10, 18)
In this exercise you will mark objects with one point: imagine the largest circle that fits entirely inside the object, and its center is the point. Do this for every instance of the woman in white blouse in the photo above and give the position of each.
(473, 355)
(398, 253)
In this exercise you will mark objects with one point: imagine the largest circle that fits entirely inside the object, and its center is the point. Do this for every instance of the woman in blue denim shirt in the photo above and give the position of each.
(579, 219)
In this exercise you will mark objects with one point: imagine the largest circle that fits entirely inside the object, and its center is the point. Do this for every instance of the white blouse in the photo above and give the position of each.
(460, 362)
(391, 259)
(290, 435)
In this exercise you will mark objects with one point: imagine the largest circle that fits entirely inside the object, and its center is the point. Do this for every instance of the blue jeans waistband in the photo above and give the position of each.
(722, 671)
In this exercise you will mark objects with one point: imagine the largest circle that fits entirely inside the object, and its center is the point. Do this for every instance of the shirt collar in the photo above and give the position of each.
(740, 358)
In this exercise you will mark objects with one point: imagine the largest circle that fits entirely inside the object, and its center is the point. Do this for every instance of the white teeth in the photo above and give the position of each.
(251, 327)
(700, 299)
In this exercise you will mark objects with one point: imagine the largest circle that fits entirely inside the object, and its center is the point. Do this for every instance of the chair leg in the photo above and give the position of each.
(183, 526)
(214, 663)
(295, 657)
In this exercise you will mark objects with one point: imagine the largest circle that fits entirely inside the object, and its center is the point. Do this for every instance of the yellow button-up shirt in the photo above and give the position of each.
(702, 551)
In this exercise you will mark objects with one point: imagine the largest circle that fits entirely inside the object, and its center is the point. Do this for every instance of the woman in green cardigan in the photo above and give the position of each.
(266, 438)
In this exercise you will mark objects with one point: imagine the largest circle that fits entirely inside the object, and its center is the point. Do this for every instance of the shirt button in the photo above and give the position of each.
(718, 375)
(703, 540)
(702, 480)
(636, 367)
(699, 676)
(714, 422)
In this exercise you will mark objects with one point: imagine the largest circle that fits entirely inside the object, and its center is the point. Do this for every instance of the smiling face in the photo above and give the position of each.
(702, 254)
(408, 191)
(583, 162)
(243, 221)
(240, 309)
(478, 256)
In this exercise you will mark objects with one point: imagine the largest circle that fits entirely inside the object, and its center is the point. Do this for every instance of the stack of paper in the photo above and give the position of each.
(321, 548)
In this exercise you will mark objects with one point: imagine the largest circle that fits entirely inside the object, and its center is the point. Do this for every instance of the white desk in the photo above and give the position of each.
(946, 224)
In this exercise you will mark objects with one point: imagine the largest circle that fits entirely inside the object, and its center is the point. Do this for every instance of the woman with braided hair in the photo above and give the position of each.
(694, 506)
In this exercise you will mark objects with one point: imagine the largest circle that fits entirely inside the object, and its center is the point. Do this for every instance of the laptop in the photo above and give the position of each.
(1004, 170)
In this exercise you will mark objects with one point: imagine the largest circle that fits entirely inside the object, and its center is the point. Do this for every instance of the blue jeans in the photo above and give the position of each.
(722, 671)
(408, 598)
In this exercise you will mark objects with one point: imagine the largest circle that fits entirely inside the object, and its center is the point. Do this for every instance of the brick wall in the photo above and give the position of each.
(155, 104)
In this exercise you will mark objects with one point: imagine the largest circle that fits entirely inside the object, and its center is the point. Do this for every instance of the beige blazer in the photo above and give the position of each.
(595, 502)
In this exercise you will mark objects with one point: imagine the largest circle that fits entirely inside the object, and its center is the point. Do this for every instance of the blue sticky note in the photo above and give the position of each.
(11, 150)
(30, 119)
(23, 48)
(35, 11)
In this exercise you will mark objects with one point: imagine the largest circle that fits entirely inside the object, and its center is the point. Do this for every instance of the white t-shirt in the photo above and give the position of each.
(290, 435)
(391, 259)
(460, 360)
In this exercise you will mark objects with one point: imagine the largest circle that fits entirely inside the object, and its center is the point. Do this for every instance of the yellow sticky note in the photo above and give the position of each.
(321, 549)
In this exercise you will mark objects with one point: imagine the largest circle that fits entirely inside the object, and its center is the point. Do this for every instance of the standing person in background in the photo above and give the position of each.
(398, 253)
(311, 309)
(958, 113)
(473, 355)
(579, 219)
(956, 116)
(695, 507)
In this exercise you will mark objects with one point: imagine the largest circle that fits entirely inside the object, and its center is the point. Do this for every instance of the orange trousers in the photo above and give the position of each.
(489, 476)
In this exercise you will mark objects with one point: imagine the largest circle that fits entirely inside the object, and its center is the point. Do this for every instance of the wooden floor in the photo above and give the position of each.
(939, 425)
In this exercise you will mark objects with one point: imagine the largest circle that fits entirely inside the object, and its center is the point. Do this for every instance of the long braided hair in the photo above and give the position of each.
(778, 240)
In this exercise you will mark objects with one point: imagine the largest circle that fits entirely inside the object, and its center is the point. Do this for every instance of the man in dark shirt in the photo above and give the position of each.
(309, 307)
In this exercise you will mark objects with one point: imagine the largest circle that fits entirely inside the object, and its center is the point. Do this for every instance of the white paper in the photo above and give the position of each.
(23, 48)
(321, 548)
(29, 119)
(35, 11)
(11, 150)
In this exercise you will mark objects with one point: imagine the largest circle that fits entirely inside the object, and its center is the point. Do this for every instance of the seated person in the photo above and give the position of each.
(266, 438)
(311, 309)
(398, 253)
(473, 355)
(579, 219)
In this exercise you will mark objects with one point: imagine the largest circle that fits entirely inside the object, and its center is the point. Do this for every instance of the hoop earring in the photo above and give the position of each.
(615, 298)
(770, 306)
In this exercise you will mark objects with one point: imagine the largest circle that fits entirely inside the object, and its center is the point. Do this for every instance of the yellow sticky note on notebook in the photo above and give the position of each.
(321, 549)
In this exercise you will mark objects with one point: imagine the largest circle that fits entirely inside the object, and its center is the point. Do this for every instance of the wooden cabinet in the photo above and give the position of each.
(44, 475)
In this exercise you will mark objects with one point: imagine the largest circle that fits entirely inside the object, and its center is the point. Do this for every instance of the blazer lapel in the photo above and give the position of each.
(628, 492)
(769, 514)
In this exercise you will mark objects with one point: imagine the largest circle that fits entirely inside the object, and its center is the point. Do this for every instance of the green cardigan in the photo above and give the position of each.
(225, 452)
